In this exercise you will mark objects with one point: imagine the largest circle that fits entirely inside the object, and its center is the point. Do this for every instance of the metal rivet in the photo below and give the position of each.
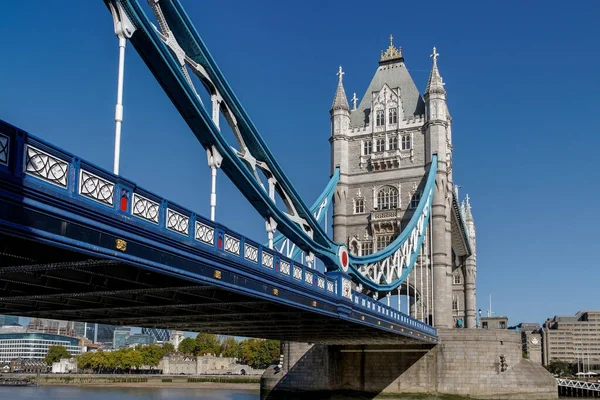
(276, 292)
(120, 244)
(217, 274)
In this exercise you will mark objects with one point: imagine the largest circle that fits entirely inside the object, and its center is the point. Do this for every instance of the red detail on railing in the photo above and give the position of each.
(124, 203)
(220, 243)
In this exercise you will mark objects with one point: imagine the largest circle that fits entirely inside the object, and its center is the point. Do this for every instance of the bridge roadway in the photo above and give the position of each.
(79, 243)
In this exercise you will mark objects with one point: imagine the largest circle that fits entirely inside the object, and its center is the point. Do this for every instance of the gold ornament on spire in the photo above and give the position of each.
(392, 53)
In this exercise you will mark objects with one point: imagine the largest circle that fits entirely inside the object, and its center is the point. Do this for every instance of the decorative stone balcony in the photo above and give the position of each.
(386, 221)
(385, 160)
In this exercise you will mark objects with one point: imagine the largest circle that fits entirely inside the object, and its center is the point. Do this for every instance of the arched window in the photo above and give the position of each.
(380, 145)
(359, 206)
(406, 145)
(380, 119)
(414, 201)
(454, 303)
(393, 116)
(393, 143)
(457, 279)
(387, 198)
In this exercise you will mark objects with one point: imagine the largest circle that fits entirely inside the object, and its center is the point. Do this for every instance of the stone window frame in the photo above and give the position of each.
(455, 303)
(380, 117)
(359, 205)
(457, 279)
(415, 199)
(367, 147)
(388, 198)
(382, 241)
(379, 145)
(393, 115)
(393, 143)
(406, 142)
(366, 245)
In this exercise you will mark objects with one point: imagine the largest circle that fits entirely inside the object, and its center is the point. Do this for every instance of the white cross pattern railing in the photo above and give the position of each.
(578, 384)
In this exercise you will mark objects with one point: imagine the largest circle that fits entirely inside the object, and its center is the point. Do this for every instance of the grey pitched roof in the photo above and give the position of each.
(395, 75)
(340, 101)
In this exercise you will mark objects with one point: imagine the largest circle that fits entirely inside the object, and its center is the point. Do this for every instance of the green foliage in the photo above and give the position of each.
(123, 359)
(207, 343)
(560, 368)
(525, 355)
(168, 348)
(230, 348)
(187, 346)
(259, 353)
(55, 353)
(167, 380)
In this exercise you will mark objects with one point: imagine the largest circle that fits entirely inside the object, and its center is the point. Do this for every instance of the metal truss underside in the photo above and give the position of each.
(62, 284)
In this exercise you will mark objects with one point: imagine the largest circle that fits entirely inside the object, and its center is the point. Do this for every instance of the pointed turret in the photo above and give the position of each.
(435, 84)
(340, 101)
(468, 214)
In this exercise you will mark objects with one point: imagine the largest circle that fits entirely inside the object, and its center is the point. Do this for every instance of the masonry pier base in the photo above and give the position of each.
(467, 362)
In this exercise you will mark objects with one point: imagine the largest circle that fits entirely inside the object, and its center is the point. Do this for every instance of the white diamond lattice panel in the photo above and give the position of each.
(42, 165)
(308, 277)
(321, 282)
(347, 288)
(145, 208)
(297, 273)
(4, 145)
(330, 286)
(285, 267)
(96, 188)
(232, 244)
(267, 259)
(178, 222)
(250, 253)
(205, 233)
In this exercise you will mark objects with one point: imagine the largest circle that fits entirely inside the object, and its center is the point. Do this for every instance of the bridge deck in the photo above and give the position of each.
(79, 243)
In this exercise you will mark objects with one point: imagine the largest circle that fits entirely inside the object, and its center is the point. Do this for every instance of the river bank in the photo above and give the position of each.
(149, 381)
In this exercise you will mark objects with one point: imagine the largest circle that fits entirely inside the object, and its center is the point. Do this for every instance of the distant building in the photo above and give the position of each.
(159, 335)
(531, 339)
(29, 366)
(120, 336)
(34, 345)
(65, 366)
(104, 333)
(574, 339)
(13, 328)
(9, 320)
(494, 322)
(139, 338)
(175, 338)
(53, 326)
(179, 364)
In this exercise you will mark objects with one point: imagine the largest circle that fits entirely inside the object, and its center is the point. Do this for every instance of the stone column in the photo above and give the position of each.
(442, 289)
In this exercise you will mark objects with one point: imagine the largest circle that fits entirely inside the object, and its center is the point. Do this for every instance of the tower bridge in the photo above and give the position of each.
(81, 243)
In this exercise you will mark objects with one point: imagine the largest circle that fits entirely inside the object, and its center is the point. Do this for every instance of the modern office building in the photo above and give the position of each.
(53, 326)
(120, 336)
(574, 339)
(140, 338)
(159, 335)
(34, 345)
(8, 320)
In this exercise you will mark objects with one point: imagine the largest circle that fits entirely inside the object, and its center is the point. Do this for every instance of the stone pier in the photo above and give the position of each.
(466, 362)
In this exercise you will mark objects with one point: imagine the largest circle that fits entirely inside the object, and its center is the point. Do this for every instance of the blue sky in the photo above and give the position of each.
(522, 90)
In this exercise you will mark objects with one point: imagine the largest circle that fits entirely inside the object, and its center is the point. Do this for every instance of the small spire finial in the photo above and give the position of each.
(340, 73)
(392, 53)
(434, 55)
(354, 100)
(391, 40)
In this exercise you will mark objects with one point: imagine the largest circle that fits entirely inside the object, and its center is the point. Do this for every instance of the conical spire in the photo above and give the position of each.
(340, 102)
(435, 84)
(468, 214)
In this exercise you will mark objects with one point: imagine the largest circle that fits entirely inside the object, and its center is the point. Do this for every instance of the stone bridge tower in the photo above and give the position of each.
(384, 146)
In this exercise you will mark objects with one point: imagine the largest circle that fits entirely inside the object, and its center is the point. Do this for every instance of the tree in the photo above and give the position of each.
(259, 353)
(187, 346)
(55, 353)
(230, 348)
(207, 343)
(168, 348)
(560, 368)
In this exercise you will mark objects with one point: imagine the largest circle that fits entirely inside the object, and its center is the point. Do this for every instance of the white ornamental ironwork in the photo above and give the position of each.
(250, 253)
(308, 277)
(267, 259)
(578, 384)
(330, 286)
(346, 288)
(205, 233)
(232, 244)
(285, 267)
(96, 188)
(49, 168)
(321, 282)
(177, 222)
(392, 268)
(145, 208)
(297, 273)
(4, 145)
